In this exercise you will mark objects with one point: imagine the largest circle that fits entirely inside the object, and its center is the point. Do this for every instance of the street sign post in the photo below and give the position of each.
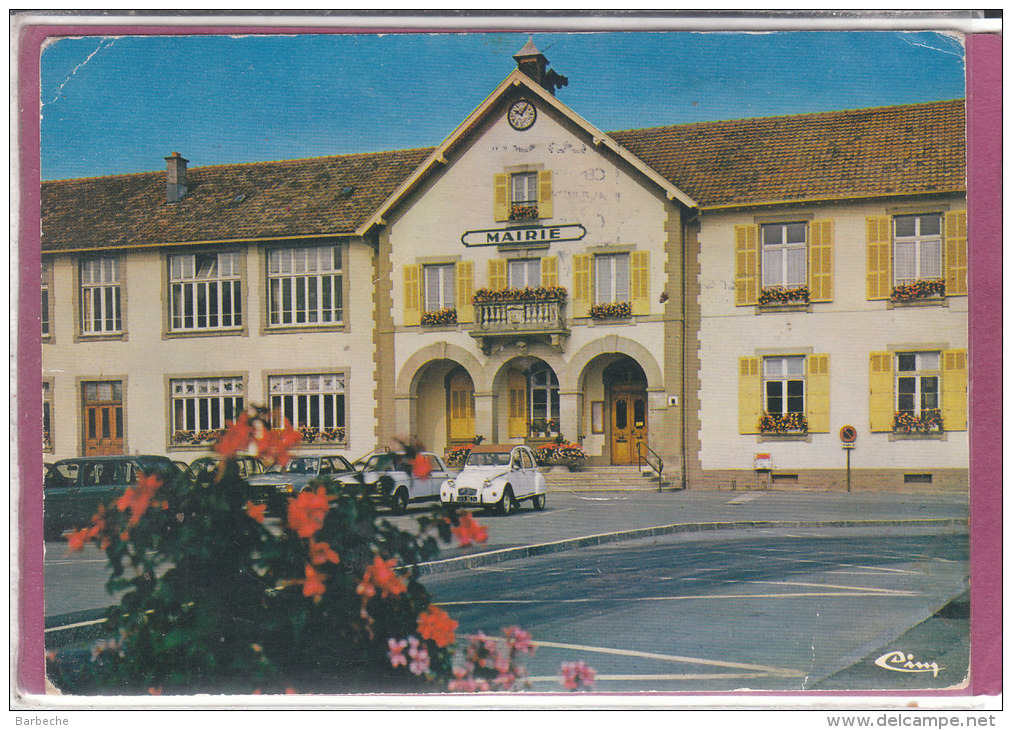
(848, 435)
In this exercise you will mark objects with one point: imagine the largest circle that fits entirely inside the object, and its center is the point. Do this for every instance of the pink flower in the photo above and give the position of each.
(396, 653)
(419, 657)
(519, 639)
(576, 675)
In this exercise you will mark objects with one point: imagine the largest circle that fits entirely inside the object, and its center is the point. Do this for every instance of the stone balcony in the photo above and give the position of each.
(520, 324)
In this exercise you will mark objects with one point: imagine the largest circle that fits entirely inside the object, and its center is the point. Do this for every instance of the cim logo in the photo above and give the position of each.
(898, 661)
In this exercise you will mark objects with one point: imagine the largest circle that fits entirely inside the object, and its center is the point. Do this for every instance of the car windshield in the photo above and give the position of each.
(488, 458)
(383, 462)
(298, 465)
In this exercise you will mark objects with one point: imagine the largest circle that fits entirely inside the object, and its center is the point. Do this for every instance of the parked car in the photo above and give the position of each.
(497, 477)
(276, 485)
(74, 488)
(248, 466)
(388, 475)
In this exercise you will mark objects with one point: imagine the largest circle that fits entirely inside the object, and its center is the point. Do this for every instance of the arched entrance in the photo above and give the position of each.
(444, 405)
(532, 407)
(459, 407)
(625, 387)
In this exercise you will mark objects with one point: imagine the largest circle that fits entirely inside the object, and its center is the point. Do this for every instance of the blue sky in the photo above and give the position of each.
(121, 104)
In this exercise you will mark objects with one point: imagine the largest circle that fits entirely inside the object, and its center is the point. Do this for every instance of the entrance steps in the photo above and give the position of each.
(601, 479)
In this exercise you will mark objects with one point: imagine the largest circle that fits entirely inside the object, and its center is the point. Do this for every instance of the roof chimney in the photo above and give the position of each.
(533, 64)
(175, 180)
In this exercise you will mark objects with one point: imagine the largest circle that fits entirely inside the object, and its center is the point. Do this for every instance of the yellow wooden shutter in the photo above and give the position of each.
(545, 207)
(818, 393)
(516, 383)
(412, 294)
(820, 261)
(465, 291)
(582, 288)
(496, 274)
(749, 395)
(461, 407)
(549, 271)
(954, 396)
(880, 387)
(501, 208)
(878, 239)
(639, 282)
(955, 253)
(746, 264)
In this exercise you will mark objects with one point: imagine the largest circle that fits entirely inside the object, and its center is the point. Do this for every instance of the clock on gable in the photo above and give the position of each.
(521, 114)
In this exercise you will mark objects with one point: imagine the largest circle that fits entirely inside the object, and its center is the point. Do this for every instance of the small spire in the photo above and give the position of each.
(529, 49)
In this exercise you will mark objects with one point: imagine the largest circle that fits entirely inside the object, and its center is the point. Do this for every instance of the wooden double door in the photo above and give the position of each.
(628, 423)
(103, 418)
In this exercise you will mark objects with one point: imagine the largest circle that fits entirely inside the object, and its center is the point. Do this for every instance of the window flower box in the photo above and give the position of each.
(927, 421)
(931, 289)
(560, 454)
(783, 423)
(456, 456)
(614, 310)
(197, 438)
(523, 213)
(440, 317)
(311, 434)
(775, 295)
(520, 296)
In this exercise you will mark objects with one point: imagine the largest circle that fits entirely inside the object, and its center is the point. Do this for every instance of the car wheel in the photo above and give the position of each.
(399, 502)
(507, 504)
(539, 502)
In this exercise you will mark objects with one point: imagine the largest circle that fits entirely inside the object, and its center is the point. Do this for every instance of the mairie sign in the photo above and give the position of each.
(523, 235)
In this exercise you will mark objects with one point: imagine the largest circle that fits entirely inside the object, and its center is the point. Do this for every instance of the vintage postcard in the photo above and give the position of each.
(389, 362)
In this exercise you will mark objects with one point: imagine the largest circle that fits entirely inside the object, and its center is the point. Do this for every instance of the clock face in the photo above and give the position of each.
(521, 114)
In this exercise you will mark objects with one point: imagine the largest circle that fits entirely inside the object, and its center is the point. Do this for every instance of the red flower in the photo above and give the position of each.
(435, 624)
(236, 438)
(273, 444)
(306, 512)
(256, 511)
(137, 499)
(380, 575)
(469, 530)
(76, 541)
(320, 553)
(313, 586)
(420, 467)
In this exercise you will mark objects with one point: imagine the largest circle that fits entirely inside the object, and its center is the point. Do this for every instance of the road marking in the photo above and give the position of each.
(849, 592)
(744, 498)
(554, 512)
(74, 561)
(767, 670)
(669, 677)
(886, 591)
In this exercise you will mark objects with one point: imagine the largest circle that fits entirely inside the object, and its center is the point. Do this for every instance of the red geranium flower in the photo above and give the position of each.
(380, 575)
(312, 586)
(320, 553)
(435, 624)
(137, 499)
(306, 512)
(469, 530)
(273, 443)
(257, 512)
(236, 438)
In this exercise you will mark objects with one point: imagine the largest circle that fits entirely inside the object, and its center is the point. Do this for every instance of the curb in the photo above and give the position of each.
(465, 562)
(87, 624)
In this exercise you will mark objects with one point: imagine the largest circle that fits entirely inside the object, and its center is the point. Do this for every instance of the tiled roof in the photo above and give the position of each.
(911, 149)
(291, 198)
(916, 148)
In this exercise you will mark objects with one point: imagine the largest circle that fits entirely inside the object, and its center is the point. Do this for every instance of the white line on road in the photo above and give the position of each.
(671, 677)
(850, 592)
(860, 589)
(744, 498)
(74, 561)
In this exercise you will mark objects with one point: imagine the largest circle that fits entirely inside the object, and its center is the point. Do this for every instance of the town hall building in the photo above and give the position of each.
(723, 297)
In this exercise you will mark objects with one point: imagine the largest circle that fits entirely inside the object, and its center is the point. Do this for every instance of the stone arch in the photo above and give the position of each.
(608, 345)
(407, 380)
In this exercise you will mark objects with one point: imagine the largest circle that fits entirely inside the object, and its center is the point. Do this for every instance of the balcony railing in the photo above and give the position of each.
(519, 322)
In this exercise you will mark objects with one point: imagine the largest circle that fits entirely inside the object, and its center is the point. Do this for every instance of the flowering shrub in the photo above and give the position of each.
(440, 316)
(527, 294)
(492, 664)
(783, 423)
(213, 601)
(523, 212)
(918, 290)
(779, 295)
(615, 310)
(558, 454)
(456, 456)
(311, 434)
(577, 675)
(930, 419)
(197, 438)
